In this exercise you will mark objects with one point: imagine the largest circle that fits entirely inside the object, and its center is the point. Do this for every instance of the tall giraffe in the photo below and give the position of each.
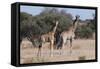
(70, 34)
(50, 36)
(42, 38)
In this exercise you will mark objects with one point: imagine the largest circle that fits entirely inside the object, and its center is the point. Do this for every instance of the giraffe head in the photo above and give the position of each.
(76, 19)
(75, 23)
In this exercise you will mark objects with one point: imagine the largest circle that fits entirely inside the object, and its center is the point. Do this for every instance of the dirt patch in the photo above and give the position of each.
(81, 49)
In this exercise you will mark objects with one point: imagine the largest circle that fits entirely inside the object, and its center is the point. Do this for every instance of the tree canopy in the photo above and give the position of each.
(44, 22)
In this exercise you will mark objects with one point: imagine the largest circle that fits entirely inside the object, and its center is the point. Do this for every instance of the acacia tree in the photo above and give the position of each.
(44, 22)
(50, 16)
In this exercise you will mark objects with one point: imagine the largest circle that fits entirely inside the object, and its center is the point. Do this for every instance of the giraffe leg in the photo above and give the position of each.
(70, 45)
(60, 51)
(71, 42)
(51, 49)
(39, 51)
(63, 43)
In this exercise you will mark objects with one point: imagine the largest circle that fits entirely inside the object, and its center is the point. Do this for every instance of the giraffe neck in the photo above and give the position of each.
(71, 29)
(54, 29)
(75, 24)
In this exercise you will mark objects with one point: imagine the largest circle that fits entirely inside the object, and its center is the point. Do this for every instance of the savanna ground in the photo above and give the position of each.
(82, 49)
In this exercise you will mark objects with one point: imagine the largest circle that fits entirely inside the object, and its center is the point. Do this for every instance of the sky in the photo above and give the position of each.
(83, 13)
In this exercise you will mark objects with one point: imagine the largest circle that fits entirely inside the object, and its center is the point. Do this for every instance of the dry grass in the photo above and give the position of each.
(81, 50)
(82, 58)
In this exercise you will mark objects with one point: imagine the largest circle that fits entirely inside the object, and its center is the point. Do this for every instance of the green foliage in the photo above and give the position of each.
(44, 22)
(84, 32)
(92, 24)
(51, 15)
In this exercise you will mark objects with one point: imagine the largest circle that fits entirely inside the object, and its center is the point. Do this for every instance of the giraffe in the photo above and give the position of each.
(52, 33)
(51, 38)
(69, 35)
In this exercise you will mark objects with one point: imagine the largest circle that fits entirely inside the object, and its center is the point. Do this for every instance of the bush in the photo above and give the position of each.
(84, 32)
(82, 58)
(44, 22)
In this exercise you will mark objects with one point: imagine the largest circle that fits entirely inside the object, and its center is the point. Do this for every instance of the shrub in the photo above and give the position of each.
(84, 32)
(82, 58)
